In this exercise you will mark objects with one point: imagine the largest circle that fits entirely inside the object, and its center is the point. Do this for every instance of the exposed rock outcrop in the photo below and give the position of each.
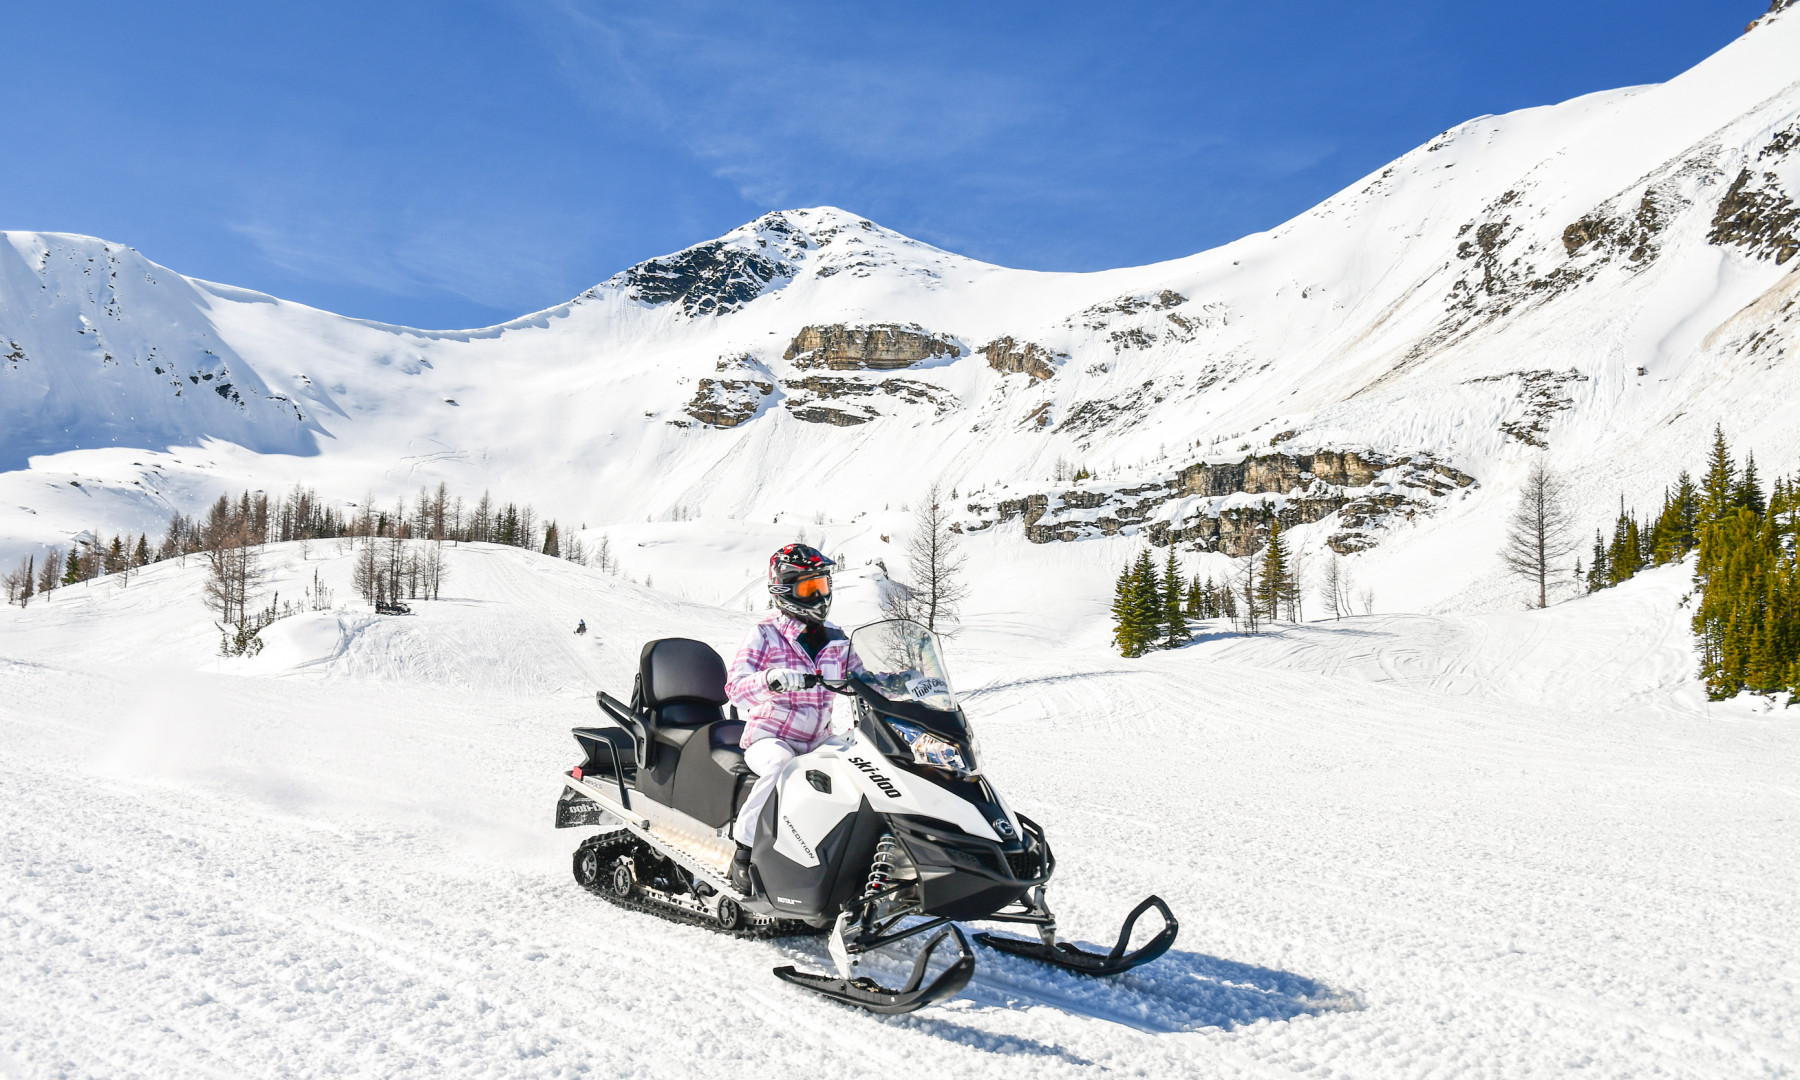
(1022, 357)
(726, 403)
(882, 347)
(1632, 235)
(714, 278)
(1775, 8)
(852, 398)
(1227, 506)
(814, 413)
(1757, 215)
(1542, 394)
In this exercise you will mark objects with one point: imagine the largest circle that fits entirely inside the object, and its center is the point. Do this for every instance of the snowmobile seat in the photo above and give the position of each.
(726, 752)
(681, 688)
(691, 759)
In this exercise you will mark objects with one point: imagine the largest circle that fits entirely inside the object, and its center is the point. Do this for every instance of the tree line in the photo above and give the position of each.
(1152, 608)
(399, 550)
(1746, 618)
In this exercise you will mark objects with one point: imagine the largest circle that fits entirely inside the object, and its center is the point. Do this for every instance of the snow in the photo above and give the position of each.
(1517, 843)
(1451, 837)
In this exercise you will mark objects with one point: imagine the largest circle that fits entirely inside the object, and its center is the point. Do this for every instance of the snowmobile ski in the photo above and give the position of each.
(1071, 958)
(866, 993)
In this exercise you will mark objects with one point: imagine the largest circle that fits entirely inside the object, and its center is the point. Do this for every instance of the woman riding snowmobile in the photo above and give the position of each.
(770, 675)
(884, 832)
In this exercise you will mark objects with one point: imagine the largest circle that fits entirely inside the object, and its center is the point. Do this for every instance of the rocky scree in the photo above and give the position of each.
(1541, 396)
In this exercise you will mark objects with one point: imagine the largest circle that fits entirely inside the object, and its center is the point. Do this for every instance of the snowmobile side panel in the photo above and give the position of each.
(838, 871)
(867, 994)
(709, 781)
(606, 796)
(1082, 962)
(574, 810)
(810, 811)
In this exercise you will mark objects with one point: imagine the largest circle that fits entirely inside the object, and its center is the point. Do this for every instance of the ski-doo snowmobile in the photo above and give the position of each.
(883, 833)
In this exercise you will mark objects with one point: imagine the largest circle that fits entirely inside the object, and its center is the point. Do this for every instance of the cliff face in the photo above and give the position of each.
(1021, 357)
(1227, 507)
(726, 403)
(882, 347)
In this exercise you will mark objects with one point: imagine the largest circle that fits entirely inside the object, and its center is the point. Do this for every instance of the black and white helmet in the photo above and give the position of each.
(800, 582)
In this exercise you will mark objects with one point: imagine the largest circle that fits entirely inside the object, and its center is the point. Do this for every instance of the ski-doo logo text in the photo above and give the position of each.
(887, 786)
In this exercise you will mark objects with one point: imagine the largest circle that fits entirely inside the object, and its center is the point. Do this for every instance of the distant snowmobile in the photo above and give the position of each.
(889, 821)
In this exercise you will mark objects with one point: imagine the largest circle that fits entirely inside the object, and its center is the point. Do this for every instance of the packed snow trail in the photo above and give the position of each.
(344, 865)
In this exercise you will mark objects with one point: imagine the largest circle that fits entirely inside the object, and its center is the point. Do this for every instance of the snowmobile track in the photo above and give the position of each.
(608, 846)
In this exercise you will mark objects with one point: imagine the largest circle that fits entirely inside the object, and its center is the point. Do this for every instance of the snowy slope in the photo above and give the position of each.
(1609, 277)
(1391, 854)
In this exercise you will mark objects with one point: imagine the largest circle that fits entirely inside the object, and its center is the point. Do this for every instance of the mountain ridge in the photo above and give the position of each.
(1605, 278)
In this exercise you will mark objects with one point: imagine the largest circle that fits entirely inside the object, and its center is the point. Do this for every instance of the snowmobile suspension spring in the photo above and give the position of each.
(881, 867)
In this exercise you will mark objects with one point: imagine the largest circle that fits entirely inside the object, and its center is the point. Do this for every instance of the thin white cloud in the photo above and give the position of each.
(772, 100)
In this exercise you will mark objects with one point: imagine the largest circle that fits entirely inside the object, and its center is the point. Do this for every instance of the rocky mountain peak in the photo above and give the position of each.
(720, 276)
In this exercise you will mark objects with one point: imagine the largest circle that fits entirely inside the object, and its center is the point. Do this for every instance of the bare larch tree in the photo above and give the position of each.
(1539, 534)
(933, 556)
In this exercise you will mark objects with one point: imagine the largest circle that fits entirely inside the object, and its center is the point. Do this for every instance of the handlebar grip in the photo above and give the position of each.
(813, 679)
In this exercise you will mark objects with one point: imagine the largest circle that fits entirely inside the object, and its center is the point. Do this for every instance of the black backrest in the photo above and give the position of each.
(681, 672)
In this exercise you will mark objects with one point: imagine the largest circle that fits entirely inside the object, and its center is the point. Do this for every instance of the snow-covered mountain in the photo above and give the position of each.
(1605, 279)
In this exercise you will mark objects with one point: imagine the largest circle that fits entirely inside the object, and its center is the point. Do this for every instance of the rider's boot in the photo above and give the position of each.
(740, 870)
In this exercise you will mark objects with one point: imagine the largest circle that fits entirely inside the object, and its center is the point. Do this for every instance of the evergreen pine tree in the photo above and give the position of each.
(1747, 492)
(141, 556)
(1673, 535)
(1146, 603)
(1195, 606)
(1174, 620)
(1720, 481)
(552, 545)
(1733, 591)
(1121, 612)
(1599, 574)
(1277, 578)
(1625, 557)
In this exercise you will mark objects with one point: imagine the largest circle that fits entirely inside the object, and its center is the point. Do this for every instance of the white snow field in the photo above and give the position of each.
(1504, 845)
(1465, 841)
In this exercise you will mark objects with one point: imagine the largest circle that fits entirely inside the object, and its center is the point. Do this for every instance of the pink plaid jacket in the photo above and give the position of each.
(803, 718)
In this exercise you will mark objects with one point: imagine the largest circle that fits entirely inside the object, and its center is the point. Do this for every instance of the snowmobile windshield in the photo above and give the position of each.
(902, 661)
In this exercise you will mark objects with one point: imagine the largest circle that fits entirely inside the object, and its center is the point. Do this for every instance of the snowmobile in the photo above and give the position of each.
(883, 833)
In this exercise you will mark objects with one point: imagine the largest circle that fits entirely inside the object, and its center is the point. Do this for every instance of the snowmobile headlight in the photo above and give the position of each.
(929, 749)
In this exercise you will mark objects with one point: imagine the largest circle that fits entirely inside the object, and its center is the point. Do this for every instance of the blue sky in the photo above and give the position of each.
(459, 162)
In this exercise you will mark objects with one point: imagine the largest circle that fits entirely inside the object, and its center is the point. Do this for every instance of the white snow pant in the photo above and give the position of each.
(765, 757)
